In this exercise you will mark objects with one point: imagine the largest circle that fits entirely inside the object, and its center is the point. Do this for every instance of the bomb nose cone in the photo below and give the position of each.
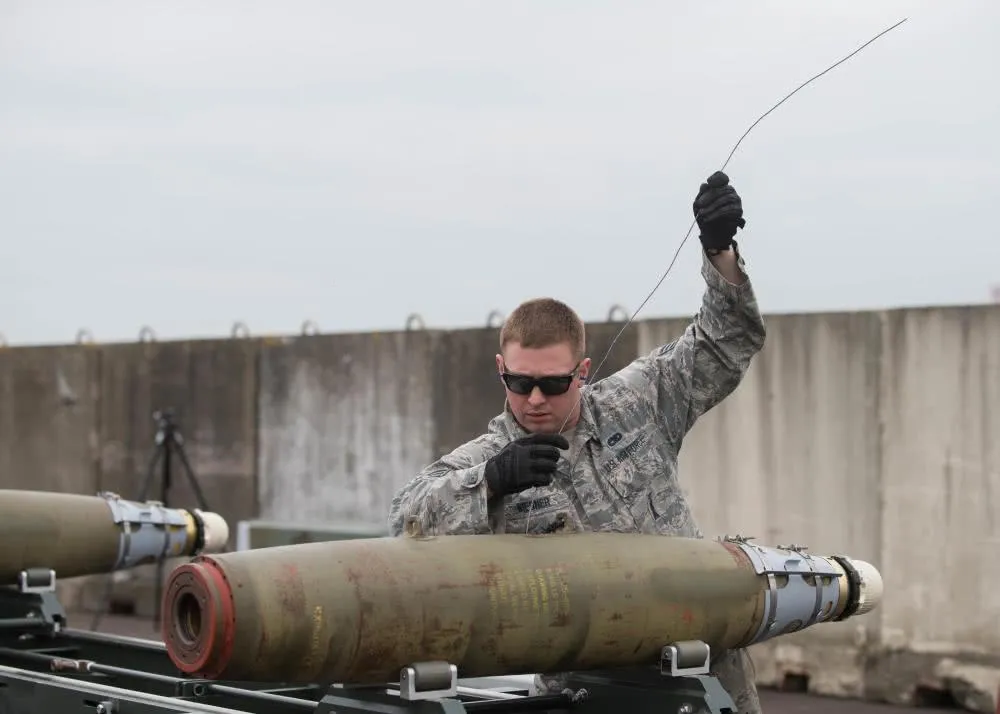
(871, 586)
(216, 532)
(198, 620)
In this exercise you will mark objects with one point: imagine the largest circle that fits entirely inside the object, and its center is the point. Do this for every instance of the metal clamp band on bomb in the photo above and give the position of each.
(150, 531)
(804, 590)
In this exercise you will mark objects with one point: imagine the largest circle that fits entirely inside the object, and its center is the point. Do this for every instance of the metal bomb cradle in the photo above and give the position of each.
(236, 642)
(46, 669)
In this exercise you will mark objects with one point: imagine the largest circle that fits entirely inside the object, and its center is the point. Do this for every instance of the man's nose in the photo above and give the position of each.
(536, 396)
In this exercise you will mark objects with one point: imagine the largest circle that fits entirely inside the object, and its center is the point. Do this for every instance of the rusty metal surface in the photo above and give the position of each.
(360, 610)
(69, 533)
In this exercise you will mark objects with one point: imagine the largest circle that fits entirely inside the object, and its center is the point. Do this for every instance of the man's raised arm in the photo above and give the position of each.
(683, 379)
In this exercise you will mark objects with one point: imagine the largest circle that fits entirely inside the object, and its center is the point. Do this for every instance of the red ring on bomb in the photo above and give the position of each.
(199, 619)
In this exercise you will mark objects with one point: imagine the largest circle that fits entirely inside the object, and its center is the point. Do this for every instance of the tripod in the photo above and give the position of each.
(167, 441)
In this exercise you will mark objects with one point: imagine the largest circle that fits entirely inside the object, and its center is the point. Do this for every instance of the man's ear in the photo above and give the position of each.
(499, 364)
(584, 371)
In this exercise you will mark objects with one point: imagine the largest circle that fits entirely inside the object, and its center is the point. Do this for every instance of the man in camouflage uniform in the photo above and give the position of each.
(622, 433)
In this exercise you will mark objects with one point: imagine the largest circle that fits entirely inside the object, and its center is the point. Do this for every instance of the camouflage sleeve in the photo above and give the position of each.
(449, 496)
(687, 377)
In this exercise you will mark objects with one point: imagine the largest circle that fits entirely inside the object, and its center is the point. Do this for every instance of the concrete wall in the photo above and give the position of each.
(212, 387)
(49, 418)
(874, 434)
(345, 420)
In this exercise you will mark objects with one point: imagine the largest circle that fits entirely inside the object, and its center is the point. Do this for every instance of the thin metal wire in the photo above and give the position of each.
(723, 168)
(593, 377)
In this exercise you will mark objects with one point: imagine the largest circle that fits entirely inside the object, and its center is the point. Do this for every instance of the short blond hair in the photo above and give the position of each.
(544, 322)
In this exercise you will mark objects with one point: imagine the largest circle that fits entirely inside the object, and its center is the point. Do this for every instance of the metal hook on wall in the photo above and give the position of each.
(616, 308)
(84, 336)
(146, 334)
(309, 328)
(415, 322)
(494, 315)
(240, 329)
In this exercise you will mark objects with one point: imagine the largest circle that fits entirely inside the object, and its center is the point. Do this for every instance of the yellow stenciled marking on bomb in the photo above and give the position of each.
(536, 602)
(540, 591)
(559, 588)
(543, 589)
(517, 591)
(494, 601)
(317, 627)
(499, 594)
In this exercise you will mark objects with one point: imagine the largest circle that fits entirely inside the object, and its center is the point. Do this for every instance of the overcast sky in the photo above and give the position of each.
(187, 164)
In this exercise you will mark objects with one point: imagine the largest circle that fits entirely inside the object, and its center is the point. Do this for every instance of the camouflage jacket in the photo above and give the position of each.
(621, 470)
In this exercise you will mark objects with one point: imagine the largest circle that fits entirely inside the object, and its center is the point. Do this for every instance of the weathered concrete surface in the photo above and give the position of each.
(600, 336)
(877, 435)
(795, 447)
(344, 421)
(940, 487)
(941, 475)
(49, 401)
(467, 391)
(49, 404)
(212, 387)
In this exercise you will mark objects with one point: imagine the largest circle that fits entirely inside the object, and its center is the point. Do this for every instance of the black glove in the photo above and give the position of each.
(719, 212)
(527, 462)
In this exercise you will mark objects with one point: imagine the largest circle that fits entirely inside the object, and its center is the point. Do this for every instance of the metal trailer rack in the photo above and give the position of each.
(48, 668)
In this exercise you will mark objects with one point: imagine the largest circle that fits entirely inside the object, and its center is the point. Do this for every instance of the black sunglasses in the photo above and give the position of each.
(550, 385)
